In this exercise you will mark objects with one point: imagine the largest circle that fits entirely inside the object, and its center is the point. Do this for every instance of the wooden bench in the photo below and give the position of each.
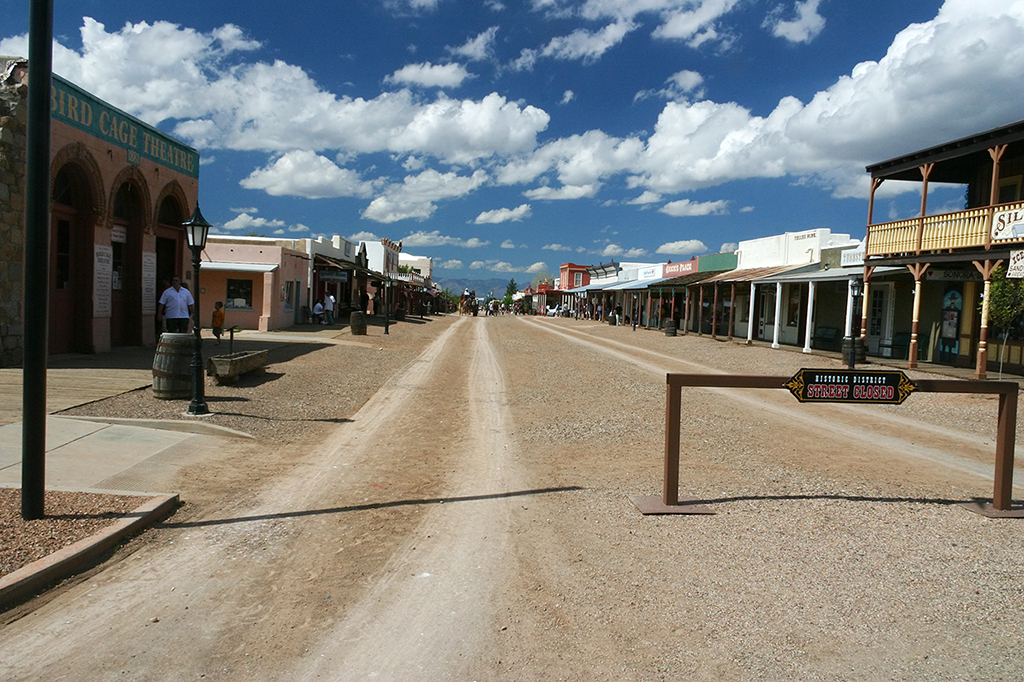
(826, 338)
(898, 346)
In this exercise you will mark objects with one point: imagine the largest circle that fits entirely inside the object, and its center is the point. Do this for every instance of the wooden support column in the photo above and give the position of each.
(917, 270)
(864, 305)
(700, 312)
(993, 196)
(714, 314)
(686, 311)
(875, 184)
(778, 314)
(985, 269)
(750, 315)
(732, 310)
(810, 314)
(926, 171)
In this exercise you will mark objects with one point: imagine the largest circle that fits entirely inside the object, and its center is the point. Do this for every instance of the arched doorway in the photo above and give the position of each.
(71, 239)
(126, 267)
(170, 242)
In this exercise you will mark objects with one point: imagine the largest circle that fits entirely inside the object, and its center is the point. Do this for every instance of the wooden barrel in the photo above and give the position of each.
(172, 371)
(357, 323)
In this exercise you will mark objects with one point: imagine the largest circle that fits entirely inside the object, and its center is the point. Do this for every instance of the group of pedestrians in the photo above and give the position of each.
(323, 309)
(175, 310)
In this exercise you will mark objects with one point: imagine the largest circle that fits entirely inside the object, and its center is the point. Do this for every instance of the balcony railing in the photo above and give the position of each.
(941, 232)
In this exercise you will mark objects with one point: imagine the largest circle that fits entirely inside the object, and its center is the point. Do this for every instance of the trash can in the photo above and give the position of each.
(670, 327)
(357, 323)
(172, 366)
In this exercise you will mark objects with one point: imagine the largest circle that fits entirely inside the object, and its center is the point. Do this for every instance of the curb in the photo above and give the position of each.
(36, 576)
(195, 427)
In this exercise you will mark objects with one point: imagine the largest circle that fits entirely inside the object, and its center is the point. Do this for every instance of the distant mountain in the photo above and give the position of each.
(482, 287)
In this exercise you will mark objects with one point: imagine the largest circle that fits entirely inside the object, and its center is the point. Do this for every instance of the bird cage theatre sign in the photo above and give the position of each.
(862, 387)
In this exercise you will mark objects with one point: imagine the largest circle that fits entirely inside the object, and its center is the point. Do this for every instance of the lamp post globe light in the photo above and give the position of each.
(196, 231)
(855, 289)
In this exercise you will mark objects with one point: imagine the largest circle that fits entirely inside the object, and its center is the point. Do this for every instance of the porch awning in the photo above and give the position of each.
(226, 266)
(751, 274)
(832, 275)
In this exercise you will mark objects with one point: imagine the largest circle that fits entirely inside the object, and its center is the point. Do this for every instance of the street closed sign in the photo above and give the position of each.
(883, 387)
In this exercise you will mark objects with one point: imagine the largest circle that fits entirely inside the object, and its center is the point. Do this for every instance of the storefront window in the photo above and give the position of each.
(239, 294)
(289, 291)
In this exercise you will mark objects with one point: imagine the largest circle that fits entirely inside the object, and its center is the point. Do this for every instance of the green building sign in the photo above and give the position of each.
(72, 105)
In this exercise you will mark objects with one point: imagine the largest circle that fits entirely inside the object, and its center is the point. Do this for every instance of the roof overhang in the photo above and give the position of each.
(226, 266)
(955, 162)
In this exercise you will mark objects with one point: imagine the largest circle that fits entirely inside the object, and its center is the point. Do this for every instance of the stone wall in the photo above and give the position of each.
(13, 120)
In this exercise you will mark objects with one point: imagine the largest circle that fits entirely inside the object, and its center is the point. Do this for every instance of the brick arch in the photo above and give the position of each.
(78, 154)
(174, 190)
(134, 176)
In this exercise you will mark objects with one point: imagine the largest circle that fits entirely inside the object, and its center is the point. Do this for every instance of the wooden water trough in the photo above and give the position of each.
(225, 369)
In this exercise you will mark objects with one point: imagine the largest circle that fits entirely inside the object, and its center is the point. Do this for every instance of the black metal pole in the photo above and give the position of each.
(37, 260)
(386, 289)
(198, 404)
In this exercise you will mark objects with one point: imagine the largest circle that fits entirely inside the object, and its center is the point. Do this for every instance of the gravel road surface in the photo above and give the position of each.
(453, 503)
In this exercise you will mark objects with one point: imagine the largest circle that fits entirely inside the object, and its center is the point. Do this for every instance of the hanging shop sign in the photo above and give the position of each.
(1015, 269)
(879, 387)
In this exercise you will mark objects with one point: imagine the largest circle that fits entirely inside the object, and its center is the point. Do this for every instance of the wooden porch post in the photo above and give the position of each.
(985, 269)
(750, 315)
(732, 310)
(714, 314)
(810, 313)
(926, 171)
(917, 270)
(865, 290)
(686, 310)
(875, 184)
(778, 314)
(700, 312)
(997, 154)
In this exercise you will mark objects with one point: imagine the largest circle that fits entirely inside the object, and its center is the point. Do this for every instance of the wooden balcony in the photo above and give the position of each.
(942, 232)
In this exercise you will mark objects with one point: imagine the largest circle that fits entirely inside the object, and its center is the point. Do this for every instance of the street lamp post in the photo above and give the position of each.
(196, 231)
(854, 293)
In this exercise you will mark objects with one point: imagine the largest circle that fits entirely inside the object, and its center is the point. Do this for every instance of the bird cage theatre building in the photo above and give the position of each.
(120, 191)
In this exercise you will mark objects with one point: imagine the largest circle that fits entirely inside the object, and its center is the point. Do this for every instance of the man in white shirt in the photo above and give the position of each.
(329, 308)
(176, 307)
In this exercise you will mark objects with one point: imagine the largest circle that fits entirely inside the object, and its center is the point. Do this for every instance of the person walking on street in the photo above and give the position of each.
(217, 320)
(329, 307)
(175, 307)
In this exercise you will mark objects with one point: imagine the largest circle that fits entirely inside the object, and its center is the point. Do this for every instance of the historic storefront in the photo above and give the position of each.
(120, 190)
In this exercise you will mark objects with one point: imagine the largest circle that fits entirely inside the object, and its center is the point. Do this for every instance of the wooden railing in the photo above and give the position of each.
(960, 230)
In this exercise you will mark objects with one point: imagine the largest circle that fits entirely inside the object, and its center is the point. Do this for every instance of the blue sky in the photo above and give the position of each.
(509, 136)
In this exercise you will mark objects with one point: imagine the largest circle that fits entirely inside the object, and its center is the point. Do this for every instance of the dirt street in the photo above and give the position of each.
(472, 521)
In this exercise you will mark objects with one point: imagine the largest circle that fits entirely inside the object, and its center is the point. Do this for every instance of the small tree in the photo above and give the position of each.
(1005, 307)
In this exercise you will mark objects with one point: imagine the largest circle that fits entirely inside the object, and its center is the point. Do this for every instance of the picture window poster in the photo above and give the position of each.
(952, 305)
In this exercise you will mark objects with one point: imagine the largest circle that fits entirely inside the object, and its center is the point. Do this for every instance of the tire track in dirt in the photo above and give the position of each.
(426, 618)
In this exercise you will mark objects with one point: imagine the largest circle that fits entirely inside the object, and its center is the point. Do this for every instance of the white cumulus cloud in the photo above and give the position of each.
(685, 207)
(685, 247)
(803, 29)
(429, 75)
(504, 215)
